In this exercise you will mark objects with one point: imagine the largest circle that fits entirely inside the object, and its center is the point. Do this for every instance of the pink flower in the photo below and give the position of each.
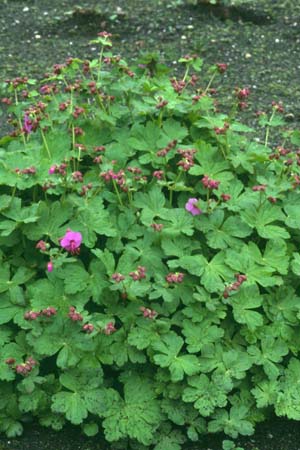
(50, 266)
(71, 241)
(52, 169)
(28, 126)
(191, 206)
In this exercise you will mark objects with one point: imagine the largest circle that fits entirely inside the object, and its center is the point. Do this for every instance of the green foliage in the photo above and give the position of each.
(150, 264)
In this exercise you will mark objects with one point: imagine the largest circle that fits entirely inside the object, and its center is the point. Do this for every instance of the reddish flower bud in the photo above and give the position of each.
(10, 361)
(272, 199)
(88, 328)
(41, 245)
(173, 278)
(242, 93)
(225, 197)
(109, 329)
(31, 315)
(117, 277)
(259, 188)
(222, 67)
(48, 312)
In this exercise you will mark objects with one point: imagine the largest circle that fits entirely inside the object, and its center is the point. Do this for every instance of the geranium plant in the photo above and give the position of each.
(149, 256)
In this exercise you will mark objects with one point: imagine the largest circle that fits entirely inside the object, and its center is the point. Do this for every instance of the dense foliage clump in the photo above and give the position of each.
(150, 268)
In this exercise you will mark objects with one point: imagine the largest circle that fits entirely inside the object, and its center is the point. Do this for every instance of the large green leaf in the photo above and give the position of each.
(222, 233)
(260, 216)
(168, 349)
(50, 221)
(243, 303)
(137, 416)
(205, 394)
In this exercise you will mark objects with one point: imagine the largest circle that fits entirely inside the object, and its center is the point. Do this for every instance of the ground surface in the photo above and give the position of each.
(277, 434)
(261, 45)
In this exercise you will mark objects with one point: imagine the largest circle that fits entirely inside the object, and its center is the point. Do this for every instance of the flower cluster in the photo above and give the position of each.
(157, 226)
(209, 183)
(187, 160)
(161, 104)
(240, 279)
(42, 245)
(159, 174)
(225, 197)
(221, 67)
(149, 313)
(223, 129)
(178, 85)
(77, 176)
(26, 367)
(259, 188)
(85, 188)
(109, 328)
(61, 169)
(138, 274)
(46, 312)
(173, 278)
(15, 82)
(118, 177)
(27, 171)
(74, 315)
(164, 151)
(117, 277)
(88, 328)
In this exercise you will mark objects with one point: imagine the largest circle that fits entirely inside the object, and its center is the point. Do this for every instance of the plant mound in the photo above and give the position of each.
(149, 273)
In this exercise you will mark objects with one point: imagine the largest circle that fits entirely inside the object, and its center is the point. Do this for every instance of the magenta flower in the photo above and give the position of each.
(50, 266)
(71, 241)
(191, 206)
(28, 126)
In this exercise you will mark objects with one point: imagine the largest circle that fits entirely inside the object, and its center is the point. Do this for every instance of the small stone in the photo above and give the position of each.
(25, 9)
(289, 117)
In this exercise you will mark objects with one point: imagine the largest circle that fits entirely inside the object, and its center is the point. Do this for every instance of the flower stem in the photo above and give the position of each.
(209, 83)
(45, 143)
(268, 129)
(117, 192)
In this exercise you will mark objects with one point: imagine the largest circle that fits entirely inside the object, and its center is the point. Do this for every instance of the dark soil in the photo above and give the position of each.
(278, 434)
(261, 43)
